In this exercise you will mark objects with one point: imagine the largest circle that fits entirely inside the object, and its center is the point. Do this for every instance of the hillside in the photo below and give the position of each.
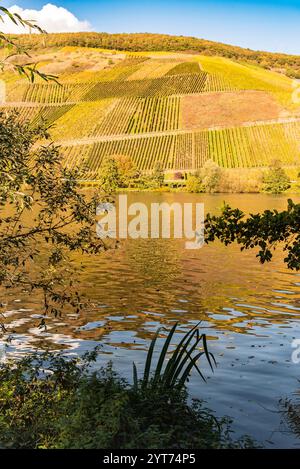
(180, 109)
(140, 42)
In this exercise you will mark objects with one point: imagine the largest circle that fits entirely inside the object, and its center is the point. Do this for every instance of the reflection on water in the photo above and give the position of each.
(250, 313)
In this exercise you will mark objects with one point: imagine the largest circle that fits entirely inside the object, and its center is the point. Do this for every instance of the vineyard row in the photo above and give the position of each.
(37, 114)
(244, 147)
(90, 91)
(138, 115)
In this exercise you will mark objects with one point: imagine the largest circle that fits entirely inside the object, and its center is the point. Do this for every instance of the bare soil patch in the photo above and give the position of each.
(228, 109)
(67, 61)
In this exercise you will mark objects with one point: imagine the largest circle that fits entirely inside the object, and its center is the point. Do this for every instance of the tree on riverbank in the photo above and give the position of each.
(44, 216)
(262, 231)
(275, 180)
(40, 201)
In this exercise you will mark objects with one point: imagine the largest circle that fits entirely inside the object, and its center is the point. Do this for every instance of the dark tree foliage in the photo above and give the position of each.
(16, 48)
(264, 231)
(48, 402)
(44, 216)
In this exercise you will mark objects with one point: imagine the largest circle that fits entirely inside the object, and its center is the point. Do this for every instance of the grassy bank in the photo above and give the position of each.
(70, 408)
(212, 179)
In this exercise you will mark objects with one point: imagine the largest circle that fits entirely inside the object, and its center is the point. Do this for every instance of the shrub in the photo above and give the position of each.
(275, 180)
(118, 171)
(211, 175)
(158, 176)
(128, 173)
(109, 178)
(47, 401)
(194, 184)
(240, 180)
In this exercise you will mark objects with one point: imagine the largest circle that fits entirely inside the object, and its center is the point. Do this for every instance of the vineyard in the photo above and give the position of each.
(24, 113)
(138, 115)
(249, 77)
(37, 114)
(79, 92)
(185, 67)
(149, 107)
(240, 147)
(254, 146)
(82, 120)
(52, 93)
(154, 68)
(215, 83)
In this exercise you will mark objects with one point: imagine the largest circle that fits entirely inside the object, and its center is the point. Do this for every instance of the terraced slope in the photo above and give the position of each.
(141, 115)
(178, 109)
(249, 77)
(239, 147)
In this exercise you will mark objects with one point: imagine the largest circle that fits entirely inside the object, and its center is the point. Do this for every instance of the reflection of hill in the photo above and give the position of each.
(146, 283)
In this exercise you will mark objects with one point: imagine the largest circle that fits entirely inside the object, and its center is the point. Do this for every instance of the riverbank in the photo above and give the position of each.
(50, 402)
(211, 179)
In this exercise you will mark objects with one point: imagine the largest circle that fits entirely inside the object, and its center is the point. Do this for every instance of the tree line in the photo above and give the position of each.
(288, 64)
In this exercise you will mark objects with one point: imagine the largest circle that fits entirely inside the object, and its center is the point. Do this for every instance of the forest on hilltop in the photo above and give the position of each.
(288, 64)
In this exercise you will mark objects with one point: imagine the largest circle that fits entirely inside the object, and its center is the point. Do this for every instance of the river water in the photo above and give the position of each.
(250, 313)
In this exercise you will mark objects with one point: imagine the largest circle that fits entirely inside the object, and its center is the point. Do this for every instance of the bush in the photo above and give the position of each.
(128, 173)
(194, 184)
(118, 171)
(240, 180)
(109, 177)
(290, 410)
(158, 176)
(178, 176)
(275, 180)
(211, 175)
(207, 180)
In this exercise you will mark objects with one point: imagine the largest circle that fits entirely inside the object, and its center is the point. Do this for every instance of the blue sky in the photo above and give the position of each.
(266, 25)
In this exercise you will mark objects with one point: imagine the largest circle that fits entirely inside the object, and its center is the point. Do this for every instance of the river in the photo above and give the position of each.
(250, 313)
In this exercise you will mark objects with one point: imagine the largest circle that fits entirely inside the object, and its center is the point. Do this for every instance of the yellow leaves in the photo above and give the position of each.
(244, 76)
(80, 121)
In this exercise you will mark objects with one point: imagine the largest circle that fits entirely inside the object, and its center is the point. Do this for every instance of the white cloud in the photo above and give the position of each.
(51, 18)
